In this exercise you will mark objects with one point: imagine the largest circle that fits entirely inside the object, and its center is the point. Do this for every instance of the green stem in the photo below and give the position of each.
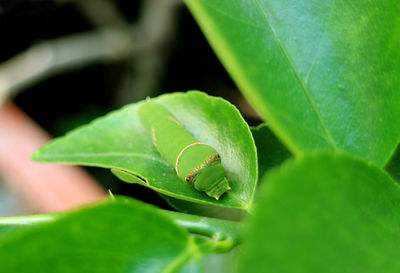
(27, 220)
(224, 234)
(18, 222)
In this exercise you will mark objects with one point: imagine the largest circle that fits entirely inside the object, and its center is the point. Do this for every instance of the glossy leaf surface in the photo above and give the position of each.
(113, 237)
(324, 74)
(325, 213)
(120, 142)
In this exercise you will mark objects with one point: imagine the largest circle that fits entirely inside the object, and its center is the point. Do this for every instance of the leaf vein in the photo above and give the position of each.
(221, 12)
(96, 155)
(296, 72)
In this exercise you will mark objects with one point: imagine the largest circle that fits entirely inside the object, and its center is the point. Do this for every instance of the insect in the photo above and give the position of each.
(194, 162)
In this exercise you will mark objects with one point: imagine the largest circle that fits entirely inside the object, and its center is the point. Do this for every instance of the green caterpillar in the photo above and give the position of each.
(195, 162)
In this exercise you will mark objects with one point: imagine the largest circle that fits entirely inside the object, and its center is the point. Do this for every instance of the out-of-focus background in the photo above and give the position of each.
(65, 62)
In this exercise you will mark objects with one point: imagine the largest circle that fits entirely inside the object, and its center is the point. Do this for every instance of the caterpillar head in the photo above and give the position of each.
(212, 181)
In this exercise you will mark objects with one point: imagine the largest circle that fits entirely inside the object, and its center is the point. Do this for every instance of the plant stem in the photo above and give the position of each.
(210, 227)
(15, 222)
(224, 234)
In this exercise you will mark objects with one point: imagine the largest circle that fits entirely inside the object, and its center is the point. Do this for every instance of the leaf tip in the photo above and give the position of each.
(35, 156)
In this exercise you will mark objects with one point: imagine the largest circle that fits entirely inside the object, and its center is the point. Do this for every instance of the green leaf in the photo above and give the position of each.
(191, 266)
(270, 151)
(114, 236)
(119, 141)
(323, 73)
(222, 263)
(326, 213)
(393, 166)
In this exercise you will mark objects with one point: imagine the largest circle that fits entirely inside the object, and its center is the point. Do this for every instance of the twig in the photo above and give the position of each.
(48, 58)
(148, 41)
(156, 27)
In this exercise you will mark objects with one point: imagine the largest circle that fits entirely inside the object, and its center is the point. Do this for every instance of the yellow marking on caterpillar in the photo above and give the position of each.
(174, 120)
(153, 135)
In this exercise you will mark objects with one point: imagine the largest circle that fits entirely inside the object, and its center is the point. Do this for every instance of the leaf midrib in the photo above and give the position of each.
(67, 156)
(296, 72)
